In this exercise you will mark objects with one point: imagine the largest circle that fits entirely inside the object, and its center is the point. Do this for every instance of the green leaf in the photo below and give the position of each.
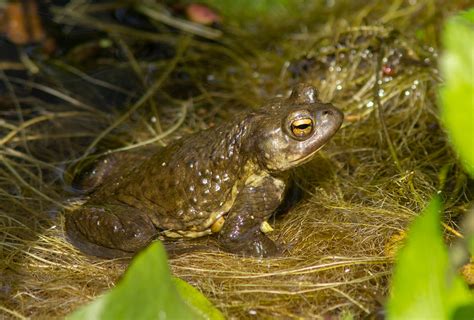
(457, 96)
(468, 15)
(423, 286)
(147, 291)
(197, 301)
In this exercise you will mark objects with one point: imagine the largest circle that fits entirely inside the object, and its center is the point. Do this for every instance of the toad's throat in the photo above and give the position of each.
(308, 157)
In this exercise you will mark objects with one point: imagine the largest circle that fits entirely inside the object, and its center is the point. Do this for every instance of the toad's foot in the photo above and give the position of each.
(253, 243)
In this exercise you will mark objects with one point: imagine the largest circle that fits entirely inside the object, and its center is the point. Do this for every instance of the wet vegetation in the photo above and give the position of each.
(109, 76)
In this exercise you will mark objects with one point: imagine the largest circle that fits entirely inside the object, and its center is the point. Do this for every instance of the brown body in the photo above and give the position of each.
(228, 179)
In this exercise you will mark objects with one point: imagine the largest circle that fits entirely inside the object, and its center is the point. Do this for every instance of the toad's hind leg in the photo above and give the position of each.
(109, 231)
(92, 173)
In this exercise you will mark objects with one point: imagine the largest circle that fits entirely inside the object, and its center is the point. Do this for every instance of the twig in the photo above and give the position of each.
(154, 13)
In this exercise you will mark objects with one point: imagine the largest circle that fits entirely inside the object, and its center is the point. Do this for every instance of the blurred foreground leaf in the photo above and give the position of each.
(147, 291)
(457, 95)
(197, 301)
(422, 285)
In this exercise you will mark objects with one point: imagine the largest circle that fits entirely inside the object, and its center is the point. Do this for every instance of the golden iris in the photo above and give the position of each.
(302, 127)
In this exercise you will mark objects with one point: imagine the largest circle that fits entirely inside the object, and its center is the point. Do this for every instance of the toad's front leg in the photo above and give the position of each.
(241, 232)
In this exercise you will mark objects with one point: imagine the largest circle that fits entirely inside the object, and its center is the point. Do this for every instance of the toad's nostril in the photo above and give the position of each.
(327, 113)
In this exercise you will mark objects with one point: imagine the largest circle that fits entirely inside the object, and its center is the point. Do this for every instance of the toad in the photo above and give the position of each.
(226, 180)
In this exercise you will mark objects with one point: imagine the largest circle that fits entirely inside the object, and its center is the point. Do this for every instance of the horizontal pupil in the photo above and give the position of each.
(302, 126)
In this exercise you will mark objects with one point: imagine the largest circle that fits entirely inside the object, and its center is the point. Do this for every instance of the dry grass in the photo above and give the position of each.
(360, 193)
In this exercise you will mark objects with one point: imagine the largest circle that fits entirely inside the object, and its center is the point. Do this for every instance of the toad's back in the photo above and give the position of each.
(188, 185)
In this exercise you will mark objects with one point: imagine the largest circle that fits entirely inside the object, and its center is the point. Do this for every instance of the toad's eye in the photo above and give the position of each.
(302, 128)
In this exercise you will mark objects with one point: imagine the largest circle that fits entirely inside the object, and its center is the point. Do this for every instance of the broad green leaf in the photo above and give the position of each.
(197, 301)
(147, 291)
(423, 286)
(457, 95)
(468, 15)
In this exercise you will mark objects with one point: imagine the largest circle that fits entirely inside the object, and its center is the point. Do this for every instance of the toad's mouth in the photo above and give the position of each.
(307, 157)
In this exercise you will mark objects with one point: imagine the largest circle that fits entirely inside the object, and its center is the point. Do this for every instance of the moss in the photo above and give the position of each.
(376, 62)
